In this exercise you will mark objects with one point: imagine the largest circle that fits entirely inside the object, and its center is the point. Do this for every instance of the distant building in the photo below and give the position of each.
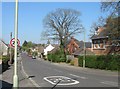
(48, 49)
(56, 48)
(3, 48)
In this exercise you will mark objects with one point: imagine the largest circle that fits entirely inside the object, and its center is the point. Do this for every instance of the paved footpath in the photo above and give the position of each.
(7, 78)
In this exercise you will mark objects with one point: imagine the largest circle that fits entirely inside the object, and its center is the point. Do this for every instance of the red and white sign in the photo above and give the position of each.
(12, 42)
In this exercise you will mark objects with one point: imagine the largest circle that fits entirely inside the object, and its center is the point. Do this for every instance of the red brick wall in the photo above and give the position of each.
(107, 50)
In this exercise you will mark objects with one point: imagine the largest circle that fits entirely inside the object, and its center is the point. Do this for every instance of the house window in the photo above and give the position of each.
(103, 43)
(94, 43)
(98, 43)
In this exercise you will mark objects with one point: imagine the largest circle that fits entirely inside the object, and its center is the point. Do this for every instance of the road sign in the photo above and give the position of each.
(12, 42)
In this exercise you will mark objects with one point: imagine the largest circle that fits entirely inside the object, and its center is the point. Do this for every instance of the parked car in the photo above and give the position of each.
(33, 57)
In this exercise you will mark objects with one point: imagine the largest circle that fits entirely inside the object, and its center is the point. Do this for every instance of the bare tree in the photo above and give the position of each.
(112, 6)
(113, 28)
(99, 23)
(62, 23)
(112, 22)
(43, 36)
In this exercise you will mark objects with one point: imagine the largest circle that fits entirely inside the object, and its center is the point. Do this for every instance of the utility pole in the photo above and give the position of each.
(15, 77)
(84, 51)
(10, 49)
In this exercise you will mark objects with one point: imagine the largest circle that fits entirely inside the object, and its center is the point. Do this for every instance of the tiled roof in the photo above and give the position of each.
(87, 44)
(41, 49)
(80, 43)
(56, 47)
(102, 34)
(4, 43)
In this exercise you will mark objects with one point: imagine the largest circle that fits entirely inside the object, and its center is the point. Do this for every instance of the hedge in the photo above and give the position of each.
(107, 62)
(58, 56)
(5, 65)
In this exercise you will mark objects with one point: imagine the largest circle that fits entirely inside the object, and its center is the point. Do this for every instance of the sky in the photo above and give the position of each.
(31, 15)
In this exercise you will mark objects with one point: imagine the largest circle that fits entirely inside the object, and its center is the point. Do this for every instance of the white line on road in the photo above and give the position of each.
(78, 76)
(33, 82)
(110, 83)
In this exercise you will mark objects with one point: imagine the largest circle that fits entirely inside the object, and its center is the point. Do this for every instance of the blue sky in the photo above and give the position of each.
(31, 15)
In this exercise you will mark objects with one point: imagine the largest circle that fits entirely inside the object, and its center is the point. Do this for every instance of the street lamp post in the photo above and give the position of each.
(15, 77)
(84, 51)
(10, 49)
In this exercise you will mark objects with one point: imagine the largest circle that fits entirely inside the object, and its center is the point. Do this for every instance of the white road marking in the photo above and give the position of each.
(110, 83)
(55, 81)
(78, 76)
(68, 80)
(63, 77)
(33, 82)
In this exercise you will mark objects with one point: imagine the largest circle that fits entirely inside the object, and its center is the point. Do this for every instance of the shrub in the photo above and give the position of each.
(89, 60)
(58, 56)
(114, 64)
(108, 62)
(71, 62)
(34, 53)
(90, 63)
(5, 65)
(80, 61)
(100, 62)
(5, 59)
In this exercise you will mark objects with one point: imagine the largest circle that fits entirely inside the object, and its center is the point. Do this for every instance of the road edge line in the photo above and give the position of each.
(31, 80)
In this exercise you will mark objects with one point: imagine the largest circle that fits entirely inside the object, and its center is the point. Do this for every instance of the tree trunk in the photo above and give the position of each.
(62, 48)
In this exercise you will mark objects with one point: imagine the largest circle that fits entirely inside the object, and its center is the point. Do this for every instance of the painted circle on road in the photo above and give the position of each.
(60, 80)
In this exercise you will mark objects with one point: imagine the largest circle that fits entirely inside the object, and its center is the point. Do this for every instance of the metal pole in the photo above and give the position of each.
(15, 77)
(84, 51)
(10, 49)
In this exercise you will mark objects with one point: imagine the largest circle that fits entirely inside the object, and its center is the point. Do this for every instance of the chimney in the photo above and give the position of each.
(100, 29)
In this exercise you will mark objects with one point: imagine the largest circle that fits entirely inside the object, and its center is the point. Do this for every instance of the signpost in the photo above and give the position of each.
(12, 42)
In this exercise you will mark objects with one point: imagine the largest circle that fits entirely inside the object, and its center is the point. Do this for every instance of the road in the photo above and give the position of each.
(45, 74)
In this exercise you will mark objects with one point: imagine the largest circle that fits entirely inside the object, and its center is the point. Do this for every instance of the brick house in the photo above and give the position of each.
(75, 47)
(100, 43)
(72, 45)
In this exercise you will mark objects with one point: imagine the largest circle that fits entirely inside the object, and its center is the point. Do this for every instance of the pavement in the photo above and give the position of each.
(6, 79)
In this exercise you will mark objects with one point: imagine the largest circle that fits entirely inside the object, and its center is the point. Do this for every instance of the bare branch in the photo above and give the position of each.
(63, 23)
